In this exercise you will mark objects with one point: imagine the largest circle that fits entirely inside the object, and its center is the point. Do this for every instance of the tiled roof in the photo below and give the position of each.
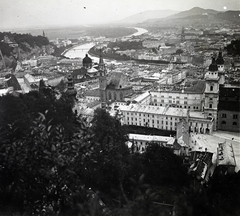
(81, 71)
(150, 138)
(94, 92)
(158, 110)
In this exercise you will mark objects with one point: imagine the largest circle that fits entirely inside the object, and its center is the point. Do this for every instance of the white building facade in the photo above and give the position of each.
(164, 118)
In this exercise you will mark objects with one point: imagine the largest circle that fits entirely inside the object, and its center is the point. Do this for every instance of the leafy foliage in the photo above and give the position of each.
(21, 111)
(234, 47)
(220, 197)
(163, 167)
(53, 162)
(41, 172)
(111, 154)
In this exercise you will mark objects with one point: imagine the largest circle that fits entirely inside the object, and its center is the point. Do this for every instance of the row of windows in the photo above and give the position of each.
(198, 124)
(158, 126)
(185, 107)
(153, 121)
(224, 122)
(171, 101)
(235, 116)
(114, 96)
(177, 97)
(200, 130)
(150, 115)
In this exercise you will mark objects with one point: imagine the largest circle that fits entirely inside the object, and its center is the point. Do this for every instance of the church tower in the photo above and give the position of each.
(212, 92)
(221, 70)
(70, 87)
(182, 35)
(102, 80)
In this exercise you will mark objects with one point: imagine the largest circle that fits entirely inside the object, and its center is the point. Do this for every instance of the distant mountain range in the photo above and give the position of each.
(155, 16)
(193, 12)
(146, 15)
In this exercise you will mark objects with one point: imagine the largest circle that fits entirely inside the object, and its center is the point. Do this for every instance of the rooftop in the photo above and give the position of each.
(93, 104)
(92, 93)
(157, 110)
(149, 138)
(199, 115)
(189, 87)
(142, 97)
(80, 71)
(211, 142)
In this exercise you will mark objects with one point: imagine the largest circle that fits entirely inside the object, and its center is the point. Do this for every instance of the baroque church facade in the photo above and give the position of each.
(113, 87)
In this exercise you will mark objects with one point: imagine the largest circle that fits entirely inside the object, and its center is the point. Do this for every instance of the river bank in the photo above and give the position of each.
(81, 49)
(72, 47)
(117, 57)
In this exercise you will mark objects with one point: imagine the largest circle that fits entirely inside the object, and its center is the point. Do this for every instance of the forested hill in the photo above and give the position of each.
(25, 41)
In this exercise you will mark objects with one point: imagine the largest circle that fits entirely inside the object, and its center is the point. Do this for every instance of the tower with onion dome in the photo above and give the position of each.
(102, 80)
(212, 92)
(70, 87)
(221, 70)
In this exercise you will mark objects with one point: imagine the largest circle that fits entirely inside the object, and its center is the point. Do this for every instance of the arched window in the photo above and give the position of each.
(109, 96)
(223, 122)
(234, 123)
(114, 96)
(211, 88)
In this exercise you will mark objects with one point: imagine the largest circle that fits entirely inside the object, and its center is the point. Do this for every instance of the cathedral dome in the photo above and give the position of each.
(87, 61)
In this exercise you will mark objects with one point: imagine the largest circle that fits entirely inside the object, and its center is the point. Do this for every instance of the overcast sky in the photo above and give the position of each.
(43, 13)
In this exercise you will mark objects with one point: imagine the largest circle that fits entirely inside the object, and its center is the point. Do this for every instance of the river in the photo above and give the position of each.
(81, 50)
(140, 31)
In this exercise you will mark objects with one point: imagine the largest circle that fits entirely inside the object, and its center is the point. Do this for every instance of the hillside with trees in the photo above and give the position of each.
(24, 41)
(53, 162)
(21, 46)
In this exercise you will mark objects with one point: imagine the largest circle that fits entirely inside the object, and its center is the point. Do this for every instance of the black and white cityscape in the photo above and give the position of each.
(120, 108)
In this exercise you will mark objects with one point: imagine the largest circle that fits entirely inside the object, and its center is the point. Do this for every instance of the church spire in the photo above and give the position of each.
(44, 34)
(101, 64)
(183, 35)
(101, 58)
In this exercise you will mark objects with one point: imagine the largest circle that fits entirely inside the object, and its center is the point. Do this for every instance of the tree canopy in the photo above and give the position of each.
(53, 162)
(234, 47)
(24, 41)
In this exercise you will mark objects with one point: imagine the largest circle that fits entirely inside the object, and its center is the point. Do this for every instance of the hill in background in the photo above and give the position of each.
(146, 15)
(188, 17)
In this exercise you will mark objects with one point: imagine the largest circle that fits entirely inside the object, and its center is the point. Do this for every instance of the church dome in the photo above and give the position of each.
(213, 66)
(87, 60)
